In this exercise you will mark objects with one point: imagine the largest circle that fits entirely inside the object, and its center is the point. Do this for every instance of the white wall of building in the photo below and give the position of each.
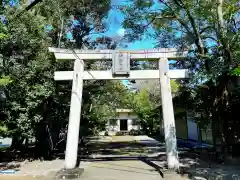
(193, 131)
(190, 127)
(127, 115)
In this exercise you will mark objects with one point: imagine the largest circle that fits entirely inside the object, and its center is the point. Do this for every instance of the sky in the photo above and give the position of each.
(115, 19)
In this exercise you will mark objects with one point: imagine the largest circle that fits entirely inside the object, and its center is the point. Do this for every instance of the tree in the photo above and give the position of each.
(36, 106)
(146, 104)
(4, 80)
(210, 30)
(113, 95)
(30, 69)
(145, 110)
(80, 18)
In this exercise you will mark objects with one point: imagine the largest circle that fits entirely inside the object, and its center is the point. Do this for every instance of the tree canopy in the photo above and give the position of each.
(210, 31)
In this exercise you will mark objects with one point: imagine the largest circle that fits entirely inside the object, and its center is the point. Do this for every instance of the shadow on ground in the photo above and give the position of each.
(193, 163)
(124, 148)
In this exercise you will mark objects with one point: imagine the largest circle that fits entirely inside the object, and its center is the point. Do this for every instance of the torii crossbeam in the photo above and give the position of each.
(121, 70)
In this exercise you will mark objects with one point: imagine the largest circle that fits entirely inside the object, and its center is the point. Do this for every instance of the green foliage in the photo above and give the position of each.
(187, 24)
(3, 31)
(5, 80)
(3, 129)
(104, 101)
(210, 31)
(146, 111)
(175, 86)
(191, 25)
(3, 36)
(235, 72)
(27, 69)
(147, 104)
(91, 16)
(33, 98)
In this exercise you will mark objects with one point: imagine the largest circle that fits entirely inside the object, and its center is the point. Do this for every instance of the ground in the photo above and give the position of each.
(116, 158)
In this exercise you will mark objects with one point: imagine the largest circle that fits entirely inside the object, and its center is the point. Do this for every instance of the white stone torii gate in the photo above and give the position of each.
(78, 75)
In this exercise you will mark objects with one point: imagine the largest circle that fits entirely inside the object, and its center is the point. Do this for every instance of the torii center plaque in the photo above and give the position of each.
(120, 63)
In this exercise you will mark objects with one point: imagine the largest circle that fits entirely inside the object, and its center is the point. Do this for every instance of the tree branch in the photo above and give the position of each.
(209, 37)
(204, 29)
(151, 21)
(199, 41)
(221, 30)
(176, 2)
(177, 17)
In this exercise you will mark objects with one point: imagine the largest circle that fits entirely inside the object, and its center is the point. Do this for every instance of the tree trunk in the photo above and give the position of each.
(43, 146)
(17, 142)
(214, 134)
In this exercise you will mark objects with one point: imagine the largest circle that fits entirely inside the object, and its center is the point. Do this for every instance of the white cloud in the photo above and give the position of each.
(121, 32)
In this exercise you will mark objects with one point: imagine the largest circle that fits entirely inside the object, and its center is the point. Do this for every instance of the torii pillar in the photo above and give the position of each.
(74, 116)
(168, 115)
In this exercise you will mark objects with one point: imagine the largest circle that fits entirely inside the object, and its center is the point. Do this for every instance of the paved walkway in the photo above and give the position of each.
(120, 146)
(122, 157)
(112, 158)
(126, 157)
(117, 170)
(127, 170)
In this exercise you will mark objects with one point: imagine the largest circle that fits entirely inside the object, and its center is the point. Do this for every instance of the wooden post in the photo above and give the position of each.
(168, 115)
(74, 117)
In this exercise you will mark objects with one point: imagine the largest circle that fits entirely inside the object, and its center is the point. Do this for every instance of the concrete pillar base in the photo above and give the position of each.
(69, 174)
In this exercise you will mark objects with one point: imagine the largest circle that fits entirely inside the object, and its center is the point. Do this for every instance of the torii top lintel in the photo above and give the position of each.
(170, 53)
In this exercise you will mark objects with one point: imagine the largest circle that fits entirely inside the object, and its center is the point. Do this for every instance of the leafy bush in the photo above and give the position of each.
(134, 132)
(120, 133)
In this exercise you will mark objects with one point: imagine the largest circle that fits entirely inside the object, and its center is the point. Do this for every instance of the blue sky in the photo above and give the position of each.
(115, 19)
